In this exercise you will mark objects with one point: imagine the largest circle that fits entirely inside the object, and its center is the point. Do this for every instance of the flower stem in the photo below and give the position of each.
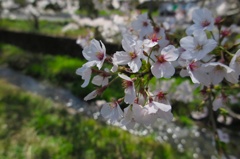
(229, 53)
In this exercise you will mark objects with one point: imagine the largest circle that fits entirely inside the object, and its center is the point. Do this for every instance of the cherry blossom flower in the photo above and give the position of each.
(163, 67)
(196, 72)
(112, 112)
(154, 106)
(218, 71)
(160, 96)
(203, 20)
(152, 39)
(130, 93)
(142, 25)
(85, 71)
(198, 46)
(142, 116)
(155, 42)
(95, 51)
(128, 118)
(224, 137)
(101, 79)
(235, 62)
(131, 56)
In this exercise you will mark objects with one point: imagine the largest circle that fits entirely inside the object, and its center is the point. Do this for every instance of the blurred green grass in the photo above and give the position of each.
(34, 127)
(53, 28)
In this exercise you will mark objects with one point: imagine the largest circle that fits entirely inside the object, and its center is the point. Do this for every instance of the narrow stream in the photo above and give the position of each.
(195, 140)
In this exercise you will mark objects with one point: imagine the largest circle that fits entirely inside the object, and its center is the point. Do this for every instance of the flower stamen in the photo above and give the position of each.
(161, 59)
(198, 47)
(145, 24)
(127, 84)
(205, 23)
(133, 55)
(100, 55)
(193, 66)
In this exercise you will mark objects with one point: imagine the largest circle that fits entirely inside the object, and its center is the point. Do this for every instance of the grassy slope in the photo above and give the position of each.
(33, 127)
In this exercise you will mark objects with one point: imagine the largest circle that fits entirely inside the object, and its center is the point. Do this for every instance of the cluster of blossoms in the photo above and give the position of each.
(149, 53)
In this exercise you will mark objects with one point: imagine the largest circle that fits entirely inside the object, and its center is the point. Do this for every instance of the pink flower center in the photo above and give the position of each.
(133, 55)
(205, 23)
(145, 24)
(154, 38)
(100, 55)
(218, 20)
(161, 59)
(127, 84)
(193, 66)
(161, 95)
(225, 32)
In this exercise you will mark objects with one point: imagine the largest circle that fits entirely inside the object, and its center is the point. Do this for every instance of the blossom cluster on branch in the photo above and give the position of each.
(148, 52)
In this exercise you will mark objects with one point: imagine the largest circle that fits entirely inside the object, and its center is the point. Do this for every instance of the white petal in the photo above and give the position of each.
(200, 37)
(163, 107)
(138, 112)
(91, 95)
(123, 76)
(217, 77)
(99, 64)
(235, 64)
(105, 81)
(126, 46)
(202, 77)
(135, 65)
(130, 95)
(187, 55)
(156, 71)
(170, 53)
(106, 110)
(97, 80)
(190, 29)
(151, 108)
(232, 77)
(167, 69)
(128, 115)
(121, 58)
(119, 110)
(187, 43)
(85, 72)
